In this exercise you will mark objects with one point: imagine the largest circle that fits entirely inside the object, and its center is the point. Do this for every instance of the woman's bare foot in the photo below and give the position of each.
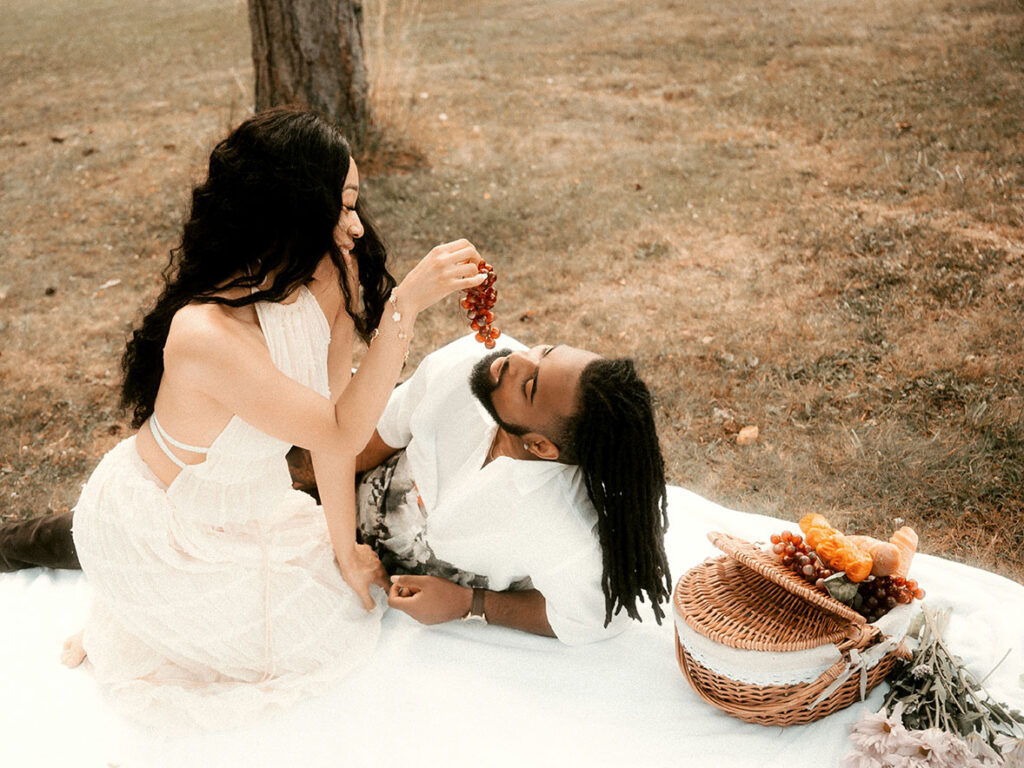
(73, 653)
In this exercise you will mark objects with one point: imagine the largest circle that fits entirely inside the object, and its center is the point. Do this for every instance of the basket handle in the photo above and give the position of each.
(855, 664)
(858, 637)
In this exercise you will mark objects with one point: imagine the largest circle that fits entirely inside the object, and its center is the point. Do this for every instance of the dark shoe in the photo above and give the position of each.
(43, 541)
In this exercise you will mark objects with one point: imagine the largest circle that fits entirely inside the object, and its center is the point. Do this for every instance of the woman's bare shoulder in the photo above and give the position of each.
(210, 331)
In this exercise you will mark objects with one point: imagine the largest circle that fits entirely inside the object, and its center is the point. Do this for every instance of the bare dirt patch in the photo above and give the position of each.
(802, 216)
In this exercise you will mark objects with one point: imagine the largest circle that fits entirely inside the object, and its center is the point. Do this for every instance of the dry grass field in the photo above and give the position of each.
(801, 215)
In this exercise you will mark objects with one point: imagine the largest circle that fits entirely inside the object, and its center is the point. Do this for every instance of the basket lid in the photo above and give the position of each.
(767, 565)
(736, 606)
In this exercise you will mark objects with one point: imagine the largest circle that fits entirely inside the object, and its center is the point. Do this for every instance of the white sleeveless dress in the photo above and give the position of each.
(218, 598)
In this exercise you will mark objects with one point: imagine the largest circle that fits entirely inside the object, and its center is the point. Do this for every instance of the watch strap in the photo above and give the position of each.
(476, 607)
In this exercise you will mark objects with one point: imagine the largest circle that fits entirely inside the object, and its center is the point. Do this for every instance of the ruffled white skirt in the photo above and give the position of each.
(210, 626)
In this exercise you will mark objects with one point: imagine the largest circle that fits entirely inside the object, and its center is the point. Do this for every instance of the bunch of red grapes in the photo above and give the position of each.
(478, 303)
(795, 554)
(876, 595)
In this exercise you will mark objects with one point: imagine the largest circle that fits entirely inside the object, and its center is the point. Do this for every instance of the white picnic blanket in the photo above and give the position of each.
(458, 695)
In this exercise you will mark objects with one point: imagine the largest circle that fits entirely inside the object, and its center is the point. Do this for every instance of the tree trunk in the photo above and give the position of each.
(309, 53)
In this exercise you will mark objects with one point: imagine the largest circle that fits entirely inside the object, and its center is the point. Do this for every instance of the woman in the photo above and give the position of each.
(218, 590)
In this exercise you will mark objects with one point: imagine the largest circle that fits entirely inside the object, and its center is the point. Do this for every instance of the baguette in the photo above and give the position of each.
(905, 540)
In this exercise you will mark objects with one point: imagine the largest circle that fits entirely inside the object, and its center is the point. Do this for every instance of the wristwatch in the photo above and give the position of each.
(476, 613)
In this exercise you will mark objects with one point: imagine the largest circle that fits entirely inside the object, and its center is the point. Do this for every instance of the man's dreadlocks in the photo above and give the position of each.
(612, 439)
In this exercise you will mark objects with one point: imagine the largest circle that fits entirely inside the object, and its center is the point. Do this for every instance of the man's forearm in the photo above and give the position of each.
(525, 610)
(433, 600)
(375, 453)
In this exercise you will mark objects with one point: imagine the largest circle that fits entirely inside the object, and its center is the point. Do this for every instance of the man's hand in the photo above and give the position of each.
(429, 599)
(300, 467)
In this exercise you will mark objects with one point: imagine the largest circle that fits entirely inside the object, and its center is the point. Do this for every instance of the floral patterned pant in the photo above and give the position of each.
(393, 520)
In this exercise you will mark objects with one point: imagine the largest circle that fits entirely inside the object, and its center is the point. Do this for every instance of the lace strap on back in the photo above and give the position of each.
(162, 438)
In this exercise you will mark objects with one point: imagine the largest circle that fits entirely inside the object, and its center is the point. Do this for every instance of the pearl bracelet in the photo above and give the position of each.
(396, 316)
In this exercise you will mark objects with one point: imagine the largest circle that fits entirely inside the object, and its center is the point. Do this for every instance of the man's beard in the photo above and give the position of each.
(482, 387)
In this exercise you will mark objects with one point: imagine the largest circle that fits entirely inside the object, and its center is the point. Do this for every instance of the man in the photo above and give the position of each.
(523, 487)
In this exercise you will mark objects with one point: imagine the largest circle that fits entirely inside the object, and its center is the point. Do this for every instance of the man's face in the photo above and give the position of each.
(533, 391)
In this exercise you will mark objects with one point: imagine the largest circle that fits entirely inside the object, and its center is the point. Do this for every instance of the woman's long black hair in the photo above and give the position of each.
(269, 205)
(612, 437)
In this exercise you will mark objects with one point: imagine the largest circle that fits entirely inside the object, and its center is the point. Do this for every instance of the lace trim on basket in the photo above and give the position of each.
(762, 668)
(771, 668)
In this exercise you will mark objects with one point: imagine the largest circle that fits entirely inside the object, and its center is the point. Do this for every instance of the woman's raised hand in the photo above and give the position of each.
(447, 268)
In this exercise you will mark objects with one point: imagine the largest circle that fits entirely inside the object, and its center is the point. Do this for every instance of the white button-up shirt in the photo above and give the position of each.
(507, 520)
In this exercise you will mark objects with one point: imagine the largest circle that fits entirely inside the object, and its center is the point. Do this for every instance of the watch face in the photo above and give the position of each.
(473, 618)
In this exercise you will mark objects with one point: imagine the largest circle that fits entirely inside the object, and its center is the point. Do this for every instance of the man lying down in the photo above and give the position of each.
(523, 488)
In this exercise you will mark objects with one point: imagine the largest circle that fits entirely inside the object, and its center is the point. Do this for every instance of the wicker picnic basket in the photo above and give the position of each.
(758, 642)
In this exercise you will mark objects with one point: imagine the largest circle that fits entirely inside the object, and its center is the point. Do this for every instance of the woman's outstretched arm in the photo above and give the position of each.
(208, 352)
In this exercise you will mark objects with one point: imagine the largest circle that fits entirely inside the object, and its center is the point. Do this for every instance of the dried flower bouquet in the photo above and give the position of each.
(937, 714)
